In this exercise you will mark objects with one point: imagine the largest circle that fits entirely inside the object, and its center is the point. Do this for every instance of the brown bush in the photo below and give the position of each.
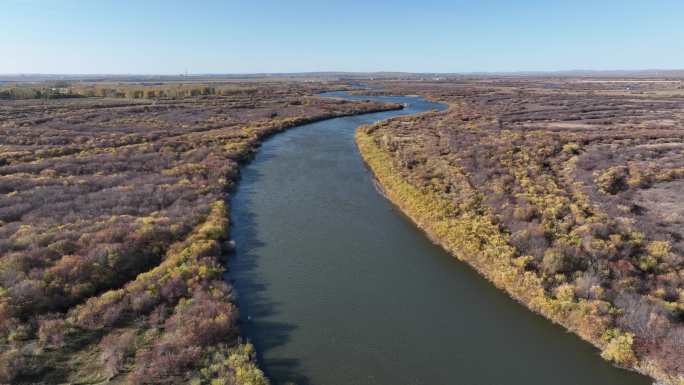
(51, 330)
(115, 350)
(12, 364)
(613, 180)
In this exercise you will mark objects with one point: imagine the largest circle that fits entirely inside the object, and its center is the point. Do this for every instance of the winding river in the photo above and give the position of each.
(337, 287)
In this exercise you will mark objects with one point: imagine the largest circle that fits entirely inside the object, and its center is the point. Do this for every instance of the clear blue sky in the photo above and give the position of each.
(167, 36)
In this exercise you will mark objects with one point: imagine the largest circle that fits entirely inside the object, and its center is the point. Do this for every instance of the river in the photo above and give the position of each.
(336, 286)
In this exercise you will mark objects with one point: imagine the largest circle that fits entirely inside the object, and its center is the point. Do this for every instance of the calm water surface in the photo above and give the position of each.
(336, 286)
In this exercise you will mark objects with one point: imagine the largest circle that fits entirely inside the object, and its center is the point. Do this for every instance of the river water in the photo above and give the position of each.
(337, 287)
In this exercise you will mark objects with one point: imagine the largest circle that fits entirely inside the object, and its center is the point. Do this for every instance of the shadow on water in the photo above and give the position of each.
(250, 288)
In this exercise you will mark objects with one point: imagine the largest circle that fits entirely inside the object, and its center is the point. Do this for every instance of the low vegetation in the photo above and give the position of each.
(113, 225)
(149, 90)
(565, 193)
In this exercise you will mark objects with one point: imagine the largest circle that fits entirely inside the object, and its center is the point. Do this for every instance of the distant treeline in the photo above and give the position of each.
(19, 93)
(161, 91)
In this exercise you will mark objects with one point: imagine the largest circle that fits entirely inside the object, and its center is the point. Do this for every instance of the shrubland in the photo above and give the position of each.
(566, 193)
(149, 90)
(114, 228)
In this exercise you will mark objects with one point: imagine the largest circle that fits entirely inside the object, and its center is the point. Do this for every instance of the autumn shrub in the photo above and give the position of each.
(640, 178)
(555, 262)
(671, 354)
(51, 331)
(571, 148)
(232, 365)
(588, 285)
(647, 263)
(658, 249)
(619, 348)
(531, 239)
(12, 364)
(613, 180)
(241, 361)
(202, 321)
(115, 350)
(165, 363)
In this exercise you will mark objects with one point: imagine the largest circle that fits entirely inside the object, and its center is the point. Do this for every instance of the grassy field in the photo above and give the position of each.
(114, 227)
(563, 192)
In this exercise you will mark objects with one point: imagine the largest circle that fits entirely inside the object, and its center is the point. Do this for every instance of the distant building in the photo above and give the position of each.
(60, 90)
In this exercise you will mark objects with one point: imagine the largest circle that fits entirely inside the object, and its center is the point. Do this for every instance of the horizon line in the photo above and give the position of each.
(512, 72)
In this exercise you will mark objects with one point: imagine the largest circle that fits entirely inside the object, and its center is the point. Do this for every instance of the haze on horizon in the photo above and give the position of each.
(170, 37)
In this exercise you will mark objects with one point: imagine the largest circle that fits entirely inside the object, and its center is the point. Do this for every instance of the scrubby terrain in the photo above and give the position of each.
(113, 222)
(567, 193)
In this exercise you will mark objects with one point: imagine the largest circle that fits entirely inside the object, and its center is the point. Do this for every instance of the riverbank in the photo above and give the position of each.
(326, 268)
(121, 277)
(470, 231)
